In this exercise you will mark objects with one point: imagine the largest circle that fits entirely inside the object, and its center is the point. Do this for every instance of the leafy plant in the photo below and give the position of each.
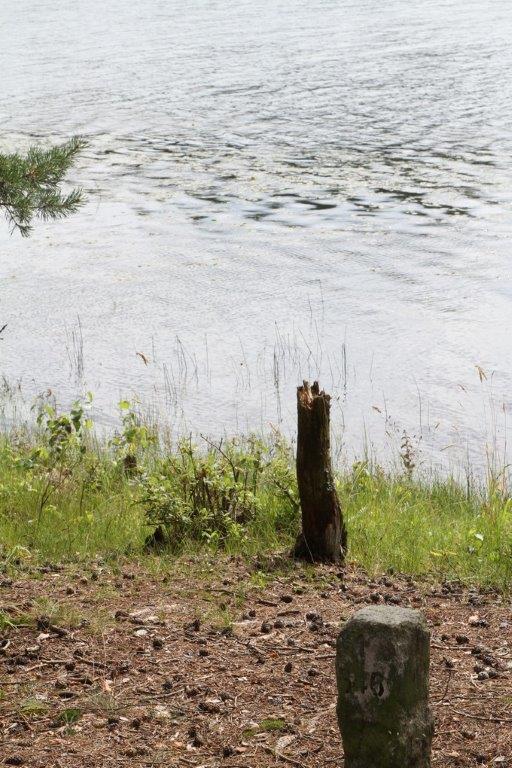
(64, 432)
(134, 438)
(214, 495)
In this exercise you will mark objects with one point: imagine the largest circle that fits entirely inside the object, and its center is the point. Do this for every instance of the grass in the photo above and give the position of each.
(66, 496)
(33, 707)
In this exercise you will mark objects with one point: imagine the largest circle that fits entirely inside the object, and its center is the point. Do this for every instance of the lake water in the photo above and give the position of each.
(278, 190)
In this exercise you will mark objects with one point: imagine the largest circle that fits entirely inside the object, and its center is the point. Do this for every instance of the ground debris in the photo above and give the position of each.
(218, 670)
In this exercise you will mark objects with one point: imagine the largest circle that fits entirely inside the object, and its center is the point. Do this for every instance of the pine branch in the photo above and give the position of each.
(29, 185)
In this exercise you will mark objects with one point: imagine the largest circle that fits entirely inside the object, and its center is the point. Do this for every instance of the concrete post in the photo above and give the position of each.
(382, 670)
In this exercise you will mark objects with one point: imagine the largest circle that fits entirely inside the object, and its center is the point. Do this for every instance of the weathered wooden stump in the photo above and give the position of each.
(382, 670)
(324, 536)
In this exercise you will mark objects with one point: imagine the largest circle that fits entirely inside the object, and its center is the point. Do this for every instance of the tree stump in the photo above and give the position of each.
(324, 536)
(382, 669)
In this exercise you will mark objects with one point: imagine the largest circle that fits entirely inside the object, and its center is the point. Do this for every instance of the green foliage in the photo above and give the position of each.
(65, 495)
(30, 184)
(135, 437)
(418, 527)
(6, 622)
(33, 707)
(63, 434)
(273, 724)
(215, 495)
(68, 716)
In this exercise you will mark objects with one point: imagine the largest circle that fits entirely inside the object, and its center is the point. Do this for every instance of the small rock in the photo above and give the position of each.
(140, 632)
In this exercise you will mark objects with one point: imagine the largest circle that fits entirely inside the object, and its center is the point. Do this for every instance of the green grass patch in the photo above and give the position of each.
(68, 716)
(67, 496)
(273, 724)
(33, 707)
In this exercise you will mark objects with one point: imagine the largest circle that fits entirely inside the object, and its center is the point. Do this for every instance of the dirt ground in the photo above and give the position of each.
(221, 665)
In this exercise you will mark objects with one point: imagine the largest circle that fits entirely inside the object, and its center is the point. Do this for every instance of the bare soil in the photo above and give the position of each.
(214, 664)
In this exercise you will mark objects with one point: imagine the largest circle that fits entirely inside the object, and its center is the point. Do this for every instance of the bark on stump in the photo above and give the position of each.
(382, 670)
(324, 536)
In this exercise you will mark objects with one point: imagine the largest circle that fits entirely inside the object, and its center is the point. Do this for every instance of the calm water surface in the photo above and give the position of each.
(278, 189)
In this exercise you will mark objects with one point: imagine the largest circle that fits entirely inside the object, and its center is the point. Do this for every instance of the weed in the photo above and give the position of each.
(33, 707)
(65, 495)
(273, 724)
(68, 716)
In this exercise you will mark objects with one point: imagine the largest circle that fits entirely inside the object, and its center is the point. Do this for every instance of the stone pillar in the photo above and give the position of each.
(382, 670)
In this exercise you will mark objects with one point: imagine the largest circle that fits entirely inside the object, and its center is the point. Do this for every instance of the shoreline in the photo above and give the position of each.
(66, 495)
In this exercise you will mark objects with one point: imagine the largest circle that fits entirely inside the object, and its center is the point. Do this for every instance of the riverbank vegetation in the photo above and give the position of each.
(67, 495)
